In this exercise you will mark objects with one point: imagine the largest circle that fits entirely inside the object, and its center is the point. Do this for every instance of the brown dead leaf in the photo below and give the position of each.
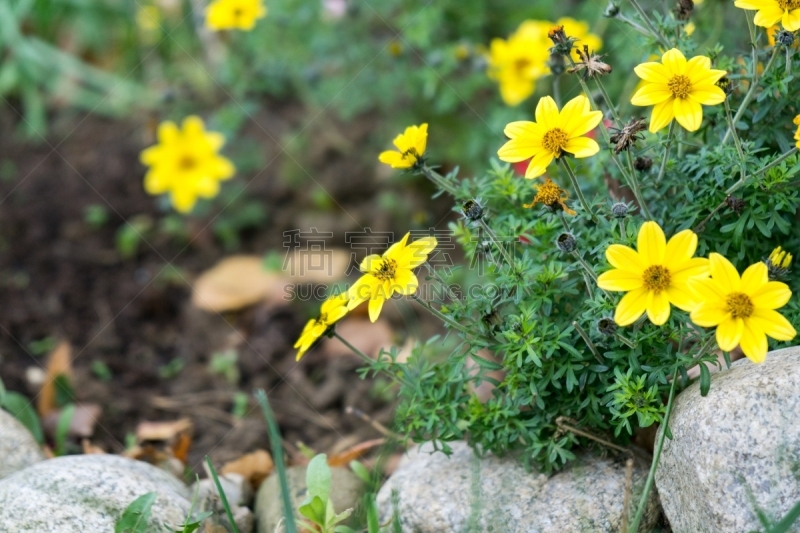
(255, 467)
(311, 266)
(58, 364)
(353, 453)
(82, 423)
(91, 449)
(361, 333)
(183, 443)
(162, 431)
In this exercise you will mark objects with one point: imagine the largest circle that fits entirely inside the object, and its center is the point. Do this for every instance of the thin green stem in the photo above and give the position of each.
(441, 281)
(441, 316)
(736, 140)
(498, 243)
(577, 188)
(667, 146)
(588, 342)
(564, 220)
(607, 98)
(557, 90)
(648, 485)
(627, 342)
(656, 34)
(367, 359)
(222, 495)
(585, 266)
(636, 187)
(438, 180)
(752, 91)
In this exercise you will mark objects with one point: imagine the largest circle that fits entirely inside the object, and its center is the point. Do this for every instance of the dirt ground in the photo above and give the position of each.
(62, 278)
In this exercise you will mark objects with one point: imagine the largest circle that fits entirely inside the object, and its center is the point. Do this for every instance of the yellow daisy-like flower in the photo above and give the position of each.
(551, 135)
(678, 89)
(743, 309)
(186, 163)
(234, 14)
(797, 133)
(770, 12)
(331, 311)
(392, 272)
(517, 63)
(655, 276)
(411, 145)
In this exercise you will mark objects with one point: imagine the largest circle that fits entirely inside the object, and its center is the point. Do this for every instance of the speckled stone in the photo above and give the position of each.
(18, 448)
(738, 446)
(87, 494)
(464, 493)
(346, 489)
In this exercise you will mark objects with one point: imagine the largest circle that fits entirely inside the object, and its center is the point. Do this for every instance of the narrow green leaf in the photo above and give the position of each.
(705, 379)
(21, 409)
(135, 517)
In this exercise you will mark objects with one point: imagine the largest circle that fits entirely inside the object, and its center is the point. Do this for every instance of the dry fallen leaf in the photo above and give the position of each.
(162, 431)
(353, 453)
(255, 467)
(58, 364)
(91, 449)
(361, 333)
(82, 423)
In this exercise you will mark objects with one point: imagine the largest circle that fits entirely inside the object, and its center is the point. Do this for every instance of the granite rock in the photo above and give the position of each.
(87, 493)
(436, 493)
(734, 450)
(18, 448)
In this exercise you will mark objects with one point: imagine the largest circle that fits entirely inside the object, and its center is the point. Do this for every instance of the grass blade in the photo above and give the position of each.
(222, 496)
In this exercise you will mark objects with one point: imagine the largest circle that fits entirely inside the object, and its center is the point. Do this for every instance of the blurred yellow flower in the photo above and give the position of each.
(552, 134)
(742, 308)
(234, 14)
(770, 12)
(148, 21)
(390, 273)
(411, 145)
(331, 311)
(518, 62)
(797, 133)
(677, 89)
(186, 163)
(655, 276)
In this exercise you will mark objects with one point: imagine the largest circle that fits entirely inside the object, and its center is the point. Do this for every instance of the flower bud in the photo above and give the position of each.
(642, 164)
(566, 243)
(619, 210)
(473, 210)
(785, 38)
(607, 326)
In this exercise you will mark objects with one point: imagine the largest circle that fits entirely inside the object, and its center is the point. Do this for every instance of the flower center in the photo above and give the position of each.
(411, 155)
(522, 64)
(555, 140)
(680, 85)
(187, 163)
(387, 270)
(656, 278)
(548, 194)
(739, 305)
(789, 4)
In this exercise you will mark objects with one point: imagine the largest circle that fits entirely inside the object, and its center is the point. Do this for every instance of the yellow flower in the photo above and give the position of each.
(797, 133)
(234, 14)
(770, 12)
(551, 195)
(655, 276)
(517, 63)
(410, 145)
(390, 273)
(677, 88)
(331, 311)
(185, 163)
(742, 308)
(551, 135)
(780, 258)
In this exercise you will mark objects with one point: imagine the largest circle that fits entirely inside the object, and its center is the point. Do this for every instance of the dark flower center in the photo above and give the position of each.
(739, 305)
(555, 140)
(656, 278)
(680, 85)
(387, 270)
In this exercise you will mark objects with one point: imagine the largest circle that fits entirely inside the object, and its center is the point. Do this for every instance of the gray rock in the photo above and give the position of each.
(734, 450)
(18, 448)
(346, 489)
(461, 493)
(87, 493)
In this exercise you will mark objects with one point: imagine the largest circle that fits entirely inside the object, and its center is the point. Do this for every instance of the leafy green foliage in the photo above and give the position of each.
(317, 507)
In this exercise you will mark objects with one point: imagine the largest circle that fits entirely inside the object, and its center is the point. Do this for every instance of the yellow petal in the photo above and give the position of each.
(167, 132)
(651, 94)
(791, 20)
(519, 149)
(625, 258)
(651, 243)
(397, 249)
(370, 263)
(707, 95)
(619, 280)
(547, 113)
(754, 344)
(538, 164)
(362, 290)
(680, 248)
(693, 268)
(772, 323)
(582, 147)
(681, 297)
(375, 306)
(577, 118)
(768, 16)
(675, 61)
(421, 141)
(688, 113)
(754, 277)
(749, 4)
(653, 72)
(631, 307)
(772, 295)
(417, 252)
(662, 115)
(707, 316)
(394, 159)
(729, 333)
(523, 128)
(405, 282)
(658, 307)
(724, 273)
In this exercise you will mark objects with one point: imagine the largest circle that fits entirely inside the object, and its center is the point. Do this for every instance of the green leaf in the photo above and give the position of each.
(193, 524)
(134, 518)
(62, 428)
(705, 379)
(361, 471)
(318, 478)
(21, 409)
(314, 510)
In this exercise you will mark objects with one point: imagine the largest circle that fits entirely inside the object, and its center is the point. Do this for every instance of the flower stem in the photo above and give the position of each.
(585, 266)
(610, 105)
(648, 485)
(577, 188)
(752, 91)
(438, 180)
(498, 243)
(588, 342)
(441, 316)
(624, 340)
(367, 359)
(667, 146)
(656, 34)
(736, 140)
(636, 187)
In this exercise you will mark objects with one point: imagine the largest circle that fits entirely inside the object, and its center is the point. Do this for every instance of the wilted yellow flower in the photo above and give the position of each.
(552, 134)
(655, 276)
(743, 309)
(234, 14)
(186, 163)
(677, 89)
(551, 195)
(410, 145)
(331, 311)
(390, 273)
(770, 12)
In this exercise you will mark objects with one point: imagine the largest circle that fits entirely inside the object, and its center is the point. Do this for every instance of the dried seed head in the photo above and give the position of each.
(562, 43)
(590, 65)
(684, 9)
(642, 164)
(625, 138)
(619, 210)
(785, 38)
(473, 210)
(607, 326)
(566, 243)
(734, 204)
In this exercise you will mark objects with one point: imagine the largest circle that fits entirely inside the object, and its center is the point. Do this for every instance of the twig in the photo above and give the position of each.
(560, 422)
(380, 428)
